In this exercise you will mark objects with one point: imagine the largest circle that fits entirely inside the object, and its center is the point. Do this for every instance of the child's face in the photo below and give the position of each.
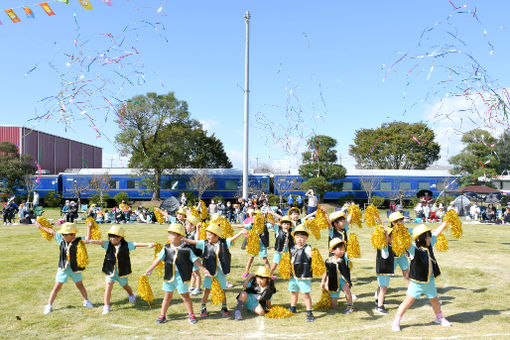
(428, 239)
(69, 237)
(294, 215)
(189, 226)
(114, 239)
(211, 237)
(261, 281)
(339, 250)
(339, 224)
(181, 217)
(174, 238)
(300, 239)
(286, 226)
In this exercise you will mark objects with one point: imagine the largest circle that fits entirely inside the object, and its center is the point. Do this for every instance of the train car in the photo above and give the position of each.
(502, 182)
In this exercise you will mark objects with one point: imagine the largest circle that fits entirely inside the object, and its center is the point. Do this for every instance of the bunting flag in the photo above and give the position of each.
(108, 2)
(29, 13)
(46, 8)
(12, 15)
(64, 1)
(85, 4)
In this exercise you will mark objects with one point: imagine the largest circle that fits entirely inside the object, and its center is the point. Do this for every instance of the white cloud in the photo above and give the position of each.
(210, 125)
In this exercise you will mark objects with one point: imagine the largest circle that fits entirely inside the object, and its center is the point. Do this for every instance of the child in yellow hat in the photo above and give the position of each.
(401, 261)
(424, 269)
(216, 259)
(258, 288)
(67, 263)
(179, 261)
(338, 225)
(385, 265)
(284, 241)
(192, 224)
(263, 244)
(117, 262)
(338, 275)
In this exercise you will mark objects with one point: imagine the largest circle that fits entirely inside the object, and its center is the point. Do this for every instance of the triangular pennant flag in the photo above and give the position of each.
(85, 4)
(108, 2)
(64, 1)
(29, 13)
(12, 15)
(46, 8)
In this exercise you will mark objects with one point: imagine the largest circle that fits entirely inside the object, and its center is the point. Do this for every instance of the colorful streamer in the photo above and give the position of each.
(46, 8)
(13, 16)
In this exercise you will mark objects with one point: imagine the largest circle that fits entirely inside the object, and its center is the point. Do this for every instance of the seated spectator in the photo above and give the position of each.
(491, 213)
(418, 210)
(109, 216)
(506, 216)
(99, 216)
(125, 209)
(440, 213)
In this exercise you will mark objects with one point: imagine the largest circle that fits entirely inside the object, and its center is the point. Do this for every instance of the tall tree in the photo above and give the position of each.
(320, 165)
(159, 134)
(14, 169)
(477, 158)
(502, 150)
(396, 145)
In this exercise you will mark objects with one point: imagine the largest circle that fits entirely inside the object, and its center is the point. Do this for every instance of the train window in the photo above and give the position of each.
(347, 186)
(423, 185)
(385, 186)
(114, 184)
(404, 185)
(132, 184)
(505, 185)
(231, 184)
(263, 186)
(170, 184)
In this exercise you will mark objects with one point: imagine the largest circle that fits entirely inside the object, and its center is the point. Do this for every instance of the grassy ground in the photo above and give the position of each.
(473, 290)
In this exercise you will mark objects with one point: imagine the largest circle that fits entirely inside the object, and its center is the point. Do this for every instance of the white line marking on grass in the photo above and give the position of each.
(122, 326)
(456, 336)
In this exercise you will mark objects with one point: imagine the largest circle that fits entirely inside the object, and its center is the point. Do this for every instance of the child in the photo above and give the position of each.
(385, 265)
(338, 275)
(216, 259)
(192, 226)
(67, 264)
(284, 241)
(301, 280)
(424, 268)
(401, 260)
(263, 244)
(117, 263)
(258, 288)
(338, 227)
(179, 261)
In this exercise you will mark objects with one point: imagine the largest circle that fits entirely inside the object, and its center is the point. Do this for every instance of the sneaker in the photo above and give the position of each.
(354, 297)
(203, 312)
(310, 317)
(293, 309)
(273, 277)
(225, 312)
(48, 309)
(192, 320)
(376, 299)
(88, 304)
(237, 315)
(381, 310)
(161, 319)
(244, 275)
(349, 310)
(443, 322)
(191, 289)
(196, 291)
(395, 327)
(229, 285)
(132, 298)
(106, 309)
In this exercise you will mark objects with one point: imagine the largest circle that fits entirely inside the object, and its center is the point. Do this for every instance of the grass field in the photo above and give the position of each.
(473, 289)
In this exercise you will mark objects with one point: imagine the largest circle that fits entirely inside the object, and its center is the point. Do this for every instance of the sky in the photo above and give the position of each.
(322, 67)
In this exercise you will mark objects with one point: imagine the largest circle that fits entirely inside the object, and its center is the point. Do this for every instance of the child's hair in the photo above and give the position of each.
(302, 233)
(341, 218)
(341, 244)
(113, 235)
(421, 241)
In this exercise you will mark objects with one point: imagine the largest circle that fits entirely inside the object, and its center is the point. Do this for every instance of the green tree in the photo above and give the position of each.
(15, 170)
(159, 134)
(502, 150)
(395, 145)
(320, 166)
(477, 158)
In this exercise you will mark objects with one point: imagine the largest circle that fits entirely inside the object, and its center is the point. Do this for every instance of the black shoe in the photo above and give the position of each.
(381, 310)
(237, 315)
(161, 319)
(310, 317)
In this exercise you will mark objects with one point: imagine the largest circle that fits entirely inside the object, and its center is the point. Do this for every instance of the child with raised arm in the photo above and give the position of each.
(263, 244)
(117, 263)
(338, 275)
(258, 288)
(424, 269)
(192, 232)
(179, 261)
(402, 261)
(67, 263)
(216, 259)
(284, 241)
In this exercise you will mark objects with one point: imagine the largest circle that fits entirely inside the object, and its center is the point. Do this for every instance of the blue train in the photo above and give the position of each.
(358, 184)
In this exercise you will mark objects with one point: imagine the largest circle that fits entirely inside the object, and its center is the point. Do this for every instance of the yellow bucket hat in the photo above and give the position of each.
(397, 215)
(336, 215)
(334, 242)
(294, 209)
(182, 211)
(418, 230)
(193, 219)
(68, 228)
(215, 229)
(177, 228)
(117, 230)
(215, 217)
(263, 272)
(301, 228)
(286, 218)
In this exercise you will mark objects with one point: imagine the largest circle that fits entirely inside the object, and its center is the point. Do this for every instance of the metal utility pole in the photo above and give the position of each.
(246, 104)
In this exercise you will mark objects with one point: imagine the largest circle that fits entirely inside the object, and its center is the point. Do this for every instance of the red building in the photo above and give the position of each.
(53, 153)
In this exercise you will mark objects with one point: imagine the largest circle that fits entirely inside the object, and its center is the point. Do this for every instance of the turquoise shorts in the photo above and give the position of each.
(402, 261)
(277, 257)
(336, 295)
(122, 281)
(262, 251)
(251, 302)
(383, 280)
(416, 290)
(62, 275)
(302, 286)
(176, 283)
(221, 278)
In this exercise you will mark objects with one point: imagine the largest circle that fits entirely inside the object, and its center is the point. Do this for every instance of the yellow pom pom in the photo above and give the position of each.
(353, 249)
(378, 237)
(226, 227)
(201, 234)
(159, 215)
(320, 219)
(258, 223)
(318, 266)
(401, 239)
(270, 218)
(95, 234)
(285, 267)
(193, 211)
(45, 223)
(145, 290)
(325, 301)
(203, 210)
(355, 213)
(314, 228)
(371, 215)
(217, 294)
(160, 268)
(453, 220)
(82, 258)
(278, 312)
(442, 243)
(252, 244)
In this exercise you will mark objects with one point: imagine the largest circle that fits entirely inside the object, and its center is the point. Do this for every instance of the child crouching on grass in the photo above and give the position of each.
(338, 275)
(424, 269)
(67, 263)
(258, 288)
(117, 263)
(179, 261)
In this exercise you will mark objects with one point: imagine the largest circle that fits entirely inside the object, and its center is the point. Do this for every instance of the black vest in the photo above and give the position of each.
(333, 268)
(182, 261)
(301, 263)
(263, 294)
(62, 260)
(283, 239)
(264, 236)
(122, 260)
(196, 251)
(385, 266)
(420, 265)
(342, 234)
(210, 260)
